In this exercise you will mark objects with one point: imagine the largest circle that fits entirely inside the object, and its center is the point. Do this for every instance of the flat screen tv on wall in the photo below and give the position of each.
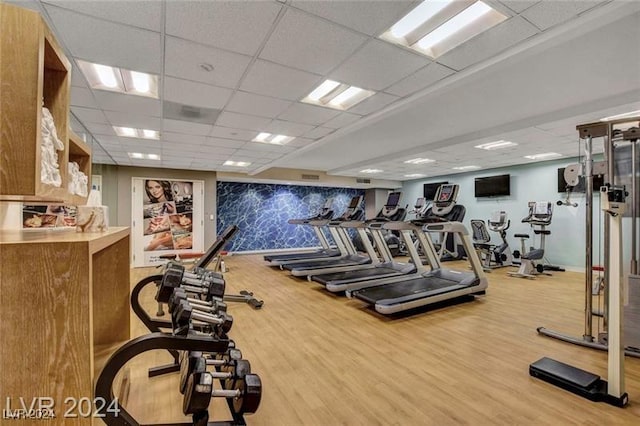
(598, 181)
(429, 190)
(493, 186)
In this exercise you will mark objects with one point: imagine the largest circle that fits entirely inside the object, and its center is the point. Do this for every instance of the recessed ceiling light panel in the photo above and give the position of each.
(371, 171)
(415, 175)
(130, 132)
(466, 168)
(333, 94)
(265, 137)
(629, 114)
(237, 163)
(113, 79)
(496, 145)
(141, 156)
(419, 161)
(543, 156)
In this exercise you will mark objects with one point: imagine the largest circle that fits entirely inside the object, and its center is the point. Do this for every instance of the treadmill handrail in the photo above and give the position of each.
(457, 227)
(353, 224)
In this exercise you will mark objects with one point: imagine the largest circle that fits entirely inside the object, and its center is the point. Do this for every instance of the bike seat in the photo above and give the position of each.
(521, 235)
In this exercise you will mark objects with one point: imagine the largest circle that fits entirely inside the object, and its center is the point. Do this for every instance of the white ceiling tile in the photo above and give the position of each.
(344, 119)
(128, 103)
(108, 43)
(374, 103)
(181, 148)
(145, 14)
(370, 17)
(266, 147)
(82, 97)
(188, 127)
(308, 114)
(226, 143)
(546, 14)
(489, 43)
(519, 5)
(181, 138)
(232, 133)
(305, 42)
(252, 155)
(378, 65)
(236, 26)
(288, 128)
(133, 120)
(263, 106)
(242, 121)
(89, 115)
(216, 149)
(100, 129)
(299, 142)
(266, 78)
(77, 79)
(420, 79)
(195, 94)
(183, 59)
(318, 132)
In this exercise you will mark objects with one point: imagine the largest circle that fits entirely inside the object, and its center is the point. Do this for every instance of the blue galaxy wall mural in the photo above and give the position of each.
(261, 212)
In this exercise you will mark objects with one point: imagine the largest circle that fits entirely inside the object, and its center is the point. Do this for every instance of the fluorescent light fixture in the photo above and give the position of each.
(466, 168)
(371, 171)
(237, 163)
(336, 95)
(321, 91)
(436, 26)
(621, 116)
(130, 132)
(418, 16)
(496, 145)
(141, 156)
(272, 139)
(415, 175)
(543, 156)
(419, 161)
(104, 77)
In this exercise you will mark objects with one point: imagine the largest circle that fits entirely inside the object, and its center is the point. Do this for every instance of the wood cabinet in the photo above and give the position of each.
(33, 72)
(80, 153)
(64, 298)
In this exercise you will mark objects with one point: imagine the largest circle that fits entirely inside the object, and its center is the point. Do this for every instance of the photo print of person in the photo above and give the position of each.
(48, 216)
(167, 215)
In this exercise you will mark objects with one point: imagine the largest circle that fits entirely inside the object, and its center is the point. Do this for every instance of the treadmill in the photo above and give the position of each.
(398, 294)
(351, 256)
(353, 279)
(327, 251)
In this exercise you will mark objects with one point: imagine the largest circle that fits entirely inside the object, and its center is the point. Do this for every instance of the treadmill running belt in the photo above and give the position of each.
(297, 256)
(405, 288)
(355, 276)
(320, 264)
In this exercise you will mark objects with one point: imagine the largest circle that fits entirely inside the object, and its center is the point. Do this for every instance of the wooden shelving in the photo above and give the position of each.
(80, 153)
(33, 72)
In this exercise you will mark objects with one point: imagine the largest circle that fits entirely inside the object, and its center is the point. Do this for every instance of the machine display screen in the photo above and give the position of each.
(419, 202)
(355, 202)
(393, 199)
(446, 192)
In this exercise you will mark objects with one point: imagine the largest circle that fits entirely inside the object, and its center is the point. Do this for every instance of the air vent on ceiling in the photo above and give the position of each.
(311, 177)
(361, 180)
(194, 114)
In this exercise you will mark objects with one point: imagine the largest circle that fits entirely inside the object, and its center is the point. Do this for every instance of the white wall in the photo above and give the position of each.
(533, 182)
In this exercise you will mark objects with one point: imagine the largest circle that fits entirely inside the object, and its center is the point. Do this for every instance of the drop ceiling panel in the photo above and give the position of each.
(224, 143)
(318, 132)
(374, 103)
(195, 94)
(299, 142)
(231, 133)
(308, 114)
(420, 79)
(342, 120)
(83, 97)
(184, 59)
(242, 121)
(144, 14)
(77, 79)
(288, 128)
(252, 155)
(305, 42)
(265, 147)
(519, 5)
(109, 43)
(133, 120)
(89, 115)
(489, 43)
(229, 25)
(266, 78)
(187, 127)
(182, 149)
(546, 14)
(128, 103)
(378, 65)
(181, 138)
(217, 150)
(253, 104)
(370, 17)
(100, 129)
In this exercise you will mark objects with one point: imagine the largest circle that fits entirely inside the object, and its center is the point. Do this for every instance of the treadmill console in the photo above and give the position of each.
(327, 210)
(540, 213)
(392, 205)
(445, 199)
(353, 211)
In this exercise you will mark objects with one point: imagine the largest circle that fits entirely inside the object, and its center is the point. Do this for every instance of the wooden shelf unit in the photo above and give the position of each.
(33, 71)
(80, 153)
(65, 308)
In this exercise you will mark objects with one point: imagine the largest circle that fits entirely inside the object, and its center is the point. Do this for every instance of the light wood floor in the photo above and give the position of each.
(327, 360)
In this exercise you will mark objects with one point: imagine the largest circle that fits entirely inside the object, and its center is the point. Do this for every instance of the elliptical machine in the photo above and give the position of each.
(492, 256)
(531, 264)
